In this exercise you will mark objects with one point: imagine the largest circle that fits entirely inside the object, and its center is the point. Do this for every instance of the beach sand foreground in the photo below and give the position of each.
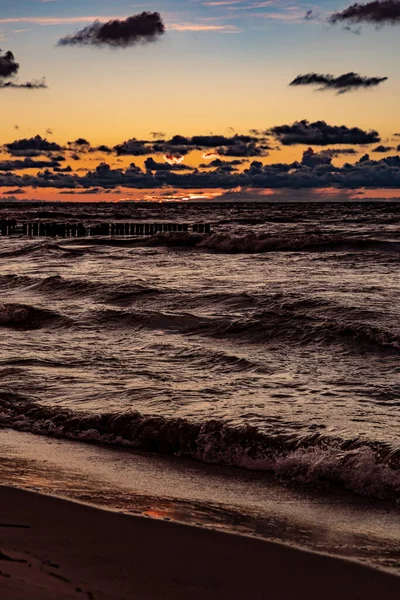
(54, 549)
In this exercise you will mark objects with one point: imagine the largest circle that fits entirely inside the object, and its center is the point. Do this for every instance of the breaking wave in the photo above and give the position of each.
(370, 469)
(22, 316)
(258, 242)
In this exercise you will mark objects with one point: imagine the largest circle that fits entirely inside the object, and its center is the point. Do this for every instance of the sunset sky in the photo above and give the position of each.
(222, 67)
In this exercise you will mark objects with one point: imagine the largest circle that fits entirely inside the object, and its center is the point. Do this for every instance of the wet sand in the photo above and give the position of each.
(53, 548)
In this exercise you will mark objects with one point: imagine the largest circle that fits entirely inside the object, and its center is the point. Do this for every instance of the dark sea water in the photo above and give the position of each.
(268, 351)
(272, 344)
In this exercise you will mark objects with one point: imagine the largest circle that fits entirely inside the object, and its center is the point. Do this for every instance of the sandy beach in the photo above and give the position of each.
(53, 548)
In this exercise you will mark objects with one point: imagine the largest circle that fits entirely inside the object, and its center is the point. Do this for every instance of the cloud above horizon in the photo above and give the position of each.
(9, 69)
(320, 133)
(8, 66)
(36, 145)
(315, 170)
(341, 84)
(143, 28)
(378, 12)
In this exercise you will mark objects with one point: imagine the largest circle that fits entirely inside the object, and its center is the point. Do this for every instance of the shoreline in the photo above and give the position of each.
(109, 555)
(215, 497)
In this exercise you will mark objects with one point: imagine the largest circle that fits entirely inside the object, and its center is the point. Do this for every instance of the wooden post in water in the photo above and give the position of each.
(54, 229)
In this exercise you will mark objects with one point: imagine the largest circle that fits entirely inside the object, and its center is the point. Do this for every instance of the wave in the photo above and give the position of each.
(23, 316)
(41, 248)
(252, 242)
(289, 318)
(58, 286)
(371, 469)
(262, 326)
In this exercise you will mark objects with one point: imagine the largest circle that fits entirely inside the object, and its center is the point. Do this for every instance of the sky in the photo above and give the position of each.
(221, 68)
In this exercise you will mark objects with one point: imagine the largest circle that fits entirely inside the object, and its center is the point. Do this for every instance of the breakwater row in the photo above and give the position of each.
(51, 229)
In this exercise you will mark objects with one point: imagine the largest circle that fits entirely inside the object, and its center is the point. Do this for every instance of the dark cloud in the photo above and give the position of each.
(382, 149)
(133, 147)
(217, 162)
(30, 153)
(79, 142)
(244, 149)
(167, 148)
(339, 151)
(225, 168)
(27, 163)
(35, 84)
(152, 165)
(67, 169)
(380, 12)
(180, 140)
(103, 148)
(365, 173)
(212, 141)
(36, 143)
(236, 145)
(88, 192)
(14, 192)
(139, 29)
(342, 84)
(314, 159)
(9, 68)
(320, 133)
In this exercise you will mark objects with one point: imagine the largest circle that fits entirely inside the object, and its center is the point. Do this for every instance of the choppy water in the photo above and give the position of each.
(271, 344)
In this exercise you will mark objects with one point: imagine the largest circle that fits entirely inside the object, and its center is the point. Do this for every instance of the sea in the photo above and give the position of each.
(246, 380)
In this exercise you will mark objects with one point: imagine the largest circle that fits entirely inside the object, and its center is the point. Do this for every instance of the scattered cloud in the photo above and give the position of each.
(378, 12)
(9, 69)
(314, 171)
(143, 28)
(27, 163)
(132, 147)
(320, 133)
(342, 84)
(218, 162)
(315, 159)
(382, 149)
(36, 144)
(8, 66)
(169, 165)
(35, 84)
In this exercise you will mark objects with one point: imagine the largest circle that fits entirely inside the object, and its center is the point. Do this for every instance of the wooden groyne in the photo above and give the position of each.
(68, 230)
